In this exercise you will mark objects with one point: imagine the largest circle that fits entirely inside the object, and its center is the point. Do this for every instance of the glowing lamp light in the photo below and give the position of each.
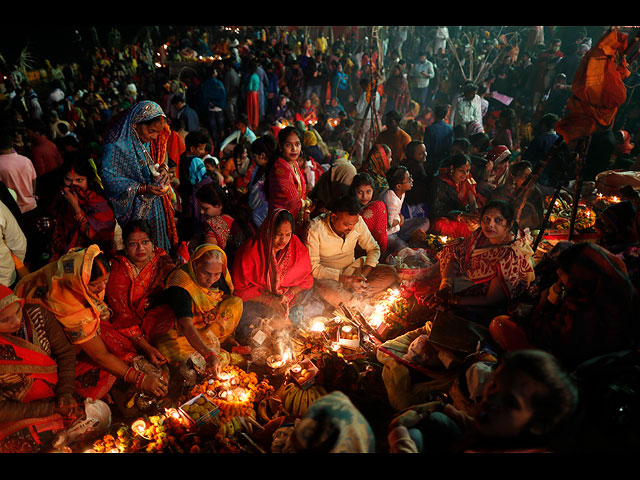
(318, 326)
(444, 239)
(139, 426)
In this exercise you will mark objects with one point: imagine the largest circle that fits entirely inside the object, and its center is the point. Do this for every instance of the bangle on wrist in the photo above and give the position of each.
(129, 375)
(139, 380)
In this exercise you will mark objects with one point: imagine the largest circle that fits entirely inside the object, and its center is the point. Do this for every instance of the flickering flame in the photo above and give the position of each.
(139, 426)
(444, 239)
(615, 199)
(318, 326)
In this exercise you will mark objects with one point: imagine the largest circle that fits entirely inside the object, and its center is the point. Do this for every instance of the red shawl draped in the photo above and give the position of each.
(375, 216)
(257, 270)
(287, 187)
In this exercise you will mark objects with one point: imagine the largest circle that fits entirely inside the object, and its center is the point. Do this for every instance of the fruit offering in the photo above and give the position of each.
(296, 400)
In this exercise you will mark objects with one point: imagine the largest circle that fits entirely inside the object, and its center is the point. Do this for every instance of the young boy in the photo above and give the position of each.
(399, 230)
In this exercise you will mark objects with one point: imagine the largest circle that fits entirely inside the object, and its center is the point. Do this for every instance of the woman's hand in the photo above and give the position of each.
(71, 197)
(66, 404)
(156, 190)
(154, 355)
(155, 385)
(213, 365)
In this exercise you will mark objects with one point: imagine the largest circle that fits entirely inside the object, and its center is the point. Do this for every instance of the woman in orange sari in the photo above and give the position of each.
(135, 281)
(72, 290)
(200, 310)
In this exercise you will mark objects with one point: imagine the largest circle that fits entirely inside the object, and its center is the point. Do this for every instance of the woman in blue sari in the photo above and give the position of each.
(134, 175)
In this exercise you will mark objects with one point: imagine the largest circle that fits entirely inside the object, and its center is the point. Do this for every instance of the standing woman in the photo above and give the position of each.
(253, 96)
(135, 181)
(72, 290)
(81, 211)
(286, 186)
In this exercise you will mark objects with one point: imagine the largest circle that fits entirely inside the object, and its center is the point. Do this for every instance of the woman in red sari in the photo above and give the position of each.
(374, 212)
(286, 186)
(37, 370)
(81, 211)
(135, 281)
(454, 200)
(272, 273)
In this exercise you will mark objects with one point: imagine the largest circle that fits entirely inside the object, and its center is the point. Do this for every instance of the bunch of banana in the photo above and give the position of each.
(230, 427)
(297, 401)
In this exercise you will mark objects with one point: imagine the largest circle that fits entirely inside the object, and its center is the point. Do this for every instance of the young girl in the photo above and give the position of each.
(374, 211)
(216, 226)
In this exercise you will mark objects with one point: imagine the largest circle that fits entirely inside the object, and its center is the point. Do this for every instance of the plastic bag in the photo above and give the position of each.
(94, 423)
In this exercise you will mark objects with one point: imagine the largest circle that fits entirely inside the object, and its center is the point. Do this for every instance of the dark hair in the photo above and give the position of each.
(395, 175)
(561, 397)
(519, 167)
(100, 267)
(362, 178)
(548, 121)
(282, 136)
(212, 193)
(393, 115)
(346, 204)
(79, 163)
(6, 140)
(463, 143)
(505, 208)
(440, 111)
(284, 216)
(480, 140)
(137, 225)
(411, 148)
(195, 138)
(177, 99)
(457, 160)
(265, 144)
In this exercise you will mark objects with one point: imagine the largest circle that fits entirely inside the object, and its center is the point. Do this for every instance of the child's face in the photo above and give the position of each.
(507, 406)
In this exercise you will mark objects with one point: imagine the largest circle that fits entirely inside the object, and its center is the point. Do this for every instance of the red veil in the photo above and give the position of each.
(257, 270)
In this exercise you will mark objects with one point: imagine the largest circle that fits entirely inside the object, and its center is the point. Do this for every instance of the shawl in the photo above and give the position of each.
(377, 164)
(333, 424)
(512, 263)
(204, 299)
(463, 190)
(219, 227)
(126, 165)
(97, 226)
(500, 156)
(128, 291)
(257, 270)
(287, 187)
(61, 288)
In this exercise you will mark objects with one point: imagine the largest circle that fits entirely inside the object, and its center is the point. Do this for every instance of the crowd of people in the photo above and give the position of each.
(150, 213)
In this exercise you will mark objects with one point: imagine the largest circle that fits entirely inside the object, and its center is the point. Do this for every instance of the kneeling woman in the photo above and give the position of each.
(72, 290)
(37, 372)
(491, 266)
(272, 272)
(136, 279)
(200, 310)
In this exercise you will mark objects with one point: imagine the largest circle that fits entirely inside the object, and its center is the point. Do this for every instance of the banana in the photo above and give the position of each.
(236, 424)
(313, 395)
(304, 404)
(230, 429)
(262, 411)
(288, 401)
(295, 407)
(321, 390)
(223, 430)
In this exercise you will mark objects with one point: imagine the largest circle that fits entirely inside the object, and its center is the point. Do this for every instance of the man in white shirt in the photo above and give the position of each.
(14, 244)
(339, 276)
(467, 108)
(422, 73)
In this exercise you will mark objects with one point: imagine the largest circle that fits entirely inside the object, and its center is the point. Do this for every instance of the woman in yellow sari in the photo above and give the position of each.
(72, 289)
(200, 312)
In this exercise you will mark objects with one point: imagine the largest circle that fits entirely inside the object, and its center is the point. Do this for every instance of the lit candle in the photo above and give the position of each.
(335, 346)
(296, 368)
(139, 426)
(347, 329)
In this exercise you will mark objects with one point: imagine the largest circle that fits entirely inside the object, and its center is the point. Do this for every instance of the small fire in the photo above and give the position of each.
(318, 326)
(444, 239)
(615, 199)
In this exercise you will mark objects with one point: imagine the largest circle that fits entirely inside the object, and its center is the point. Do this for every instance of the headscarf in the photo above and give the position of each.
(257, 269)
(499, 155)
(7, 297)
(377, 164)
(61, 288)
(126, 165)
(204, 299)
(333, 425)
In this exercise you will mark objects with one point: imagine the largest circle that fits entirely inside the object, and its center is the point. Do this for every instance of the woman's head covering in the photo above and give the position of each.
(61, 288)
(7, 297)
(500, 156)
(333, 425)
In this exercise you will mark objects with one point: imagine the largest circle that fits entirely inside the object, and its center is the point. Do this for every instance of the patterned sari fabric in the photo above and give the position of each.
(287, 187)
(129, 293)
(61, 289)
(258, 270)
(126, 165)
(97, 225)
(219, 227)
(375, 216)
(478, 263)
(214, 313)
(377, 164)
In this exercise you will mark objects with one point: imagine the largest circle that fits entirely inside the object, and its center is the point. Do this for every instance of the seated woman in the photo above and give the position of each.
(81, 211)
(72, 290)
(273, 273)
(37, 375)
(136, 279)
(216, 227)
(523, 401)
(453, 203)
(590, 310)
(374, 211)
(307, 113)
(491, 266)
(199, 310)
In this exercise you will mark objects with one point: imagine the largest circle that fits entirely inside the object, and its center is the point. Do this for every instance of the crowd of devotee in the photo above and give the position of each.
(181, 211)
